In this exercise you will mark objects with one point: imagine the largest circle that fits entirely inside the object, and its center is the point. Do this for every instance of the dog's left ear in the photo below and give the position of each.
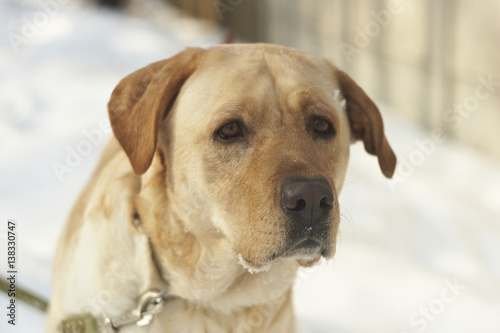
(142, 100)
(366, 122)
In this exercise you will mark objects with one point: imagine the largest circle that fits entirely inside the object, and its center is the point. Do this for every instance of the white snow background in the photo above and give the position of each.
(420, 255)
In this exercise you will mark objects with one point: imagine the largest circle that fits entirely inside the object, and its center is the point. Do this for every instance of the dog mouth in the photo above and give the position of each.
(253, 267)
(306, 248)
(306, 251)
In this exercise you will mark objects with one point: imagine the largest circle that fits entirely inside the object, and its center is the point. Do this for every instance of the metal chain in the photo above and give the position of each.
(150, 304)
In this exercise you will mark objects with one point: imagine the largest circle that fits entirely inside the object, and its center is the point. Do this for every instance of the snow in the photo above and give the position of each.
(417, 255)
(336, 96)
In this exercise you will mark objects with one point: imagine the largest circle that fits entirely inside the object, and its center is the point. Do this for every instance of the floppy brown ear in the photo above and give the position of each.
(366, 123)
(141, 100)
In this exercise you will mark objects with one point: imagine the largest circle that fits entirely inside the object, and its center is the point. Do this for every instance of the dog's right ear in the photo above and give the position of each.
(141, 101)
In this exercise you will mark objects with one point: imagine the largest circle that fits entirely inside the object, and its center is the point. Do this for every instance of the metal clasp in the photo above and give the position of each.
(150, 303)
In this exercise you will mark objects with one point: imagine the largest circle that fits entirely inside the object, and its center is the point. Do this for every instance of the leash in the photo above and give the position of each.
(149, 305)
(24, 296)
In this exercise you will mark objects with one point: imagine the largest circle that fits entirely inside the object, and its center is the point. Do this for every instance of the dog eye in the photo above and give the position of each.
(323, 127)
(320, 125)
(229, 131)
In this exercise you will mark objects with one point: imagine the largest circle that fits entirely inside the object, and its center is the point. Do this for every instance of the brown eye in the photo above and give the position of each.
(229, 131)
(323, 127)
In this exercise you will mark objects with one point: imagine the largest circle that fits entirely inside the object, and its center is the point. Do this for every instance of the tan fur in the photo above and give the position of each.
(203, 202)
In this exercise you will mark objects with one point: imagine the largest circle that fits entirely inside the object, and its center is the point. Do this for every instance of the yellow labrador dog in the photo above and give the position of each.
(224, 182)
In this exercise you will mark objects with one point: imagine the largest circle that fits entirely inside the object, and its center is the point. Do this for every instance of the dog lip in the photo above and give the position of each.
(253, 267)
(305, 248)
(308, 243)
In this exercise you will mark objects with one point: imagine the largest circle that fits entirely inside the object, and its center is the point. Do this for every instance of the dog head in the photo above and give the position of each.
(255, 143)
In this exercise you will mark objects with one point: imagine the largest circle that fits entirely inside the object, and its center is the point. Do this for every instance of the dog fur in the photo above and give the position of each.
(212, 230)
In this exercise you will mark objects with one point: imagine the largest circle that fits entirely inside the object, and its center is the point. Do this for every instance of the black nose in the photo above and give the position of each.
(307, 201)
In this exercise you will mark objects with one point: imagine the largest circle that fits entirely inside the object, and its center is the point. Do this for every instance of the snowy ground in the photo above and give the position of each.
(418, 255)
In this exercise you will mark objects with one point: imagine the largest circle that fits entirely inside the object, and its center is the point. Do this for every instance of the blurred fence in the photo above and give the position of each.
(436, 62)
